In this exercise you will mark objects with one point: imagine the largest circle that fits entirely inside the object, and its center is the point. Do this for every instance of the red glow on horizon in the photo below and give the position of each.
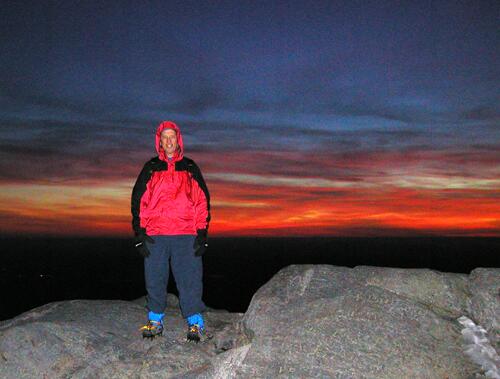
(252, 210)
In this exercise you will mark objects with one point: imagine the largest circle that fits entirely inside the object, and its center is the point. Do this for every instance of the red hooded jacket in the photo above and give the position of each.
(170, 196)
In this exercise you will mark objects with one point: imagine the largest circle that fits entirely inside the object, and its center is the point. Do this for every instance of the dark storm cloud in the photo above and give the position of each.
(35, 150)
(483, 113)
(14, 97)
(201, 99)
(226, 137)
(351, 155)
(45, 151)
(229, 136)
(69, 136)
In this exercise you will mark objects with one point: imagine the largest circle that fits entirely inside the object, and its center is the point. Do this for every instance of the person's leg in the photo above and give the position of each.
(156, 272)
(188, 274)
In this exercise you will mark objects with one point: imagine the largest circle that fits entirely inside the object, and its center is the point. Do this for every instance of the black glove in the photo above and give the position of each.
(140, 243)
(200, 243)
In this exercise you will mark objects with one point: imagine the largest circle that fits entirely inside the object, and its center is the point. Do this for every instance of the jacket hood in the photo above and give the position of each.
(161, 153)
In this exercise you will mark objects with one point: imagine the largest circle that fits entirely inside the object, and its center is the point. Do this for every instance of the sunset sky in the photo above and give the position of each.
(333, 118)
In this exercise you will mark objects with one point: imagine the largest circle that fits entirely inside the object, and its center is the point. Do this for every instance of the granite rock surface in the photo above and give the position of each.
(314, 321)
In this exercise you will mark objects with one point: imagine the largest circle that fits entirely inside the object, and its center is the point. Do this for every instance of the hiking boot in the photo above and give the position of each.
(152, 329)
(195, 333)
(196, 328)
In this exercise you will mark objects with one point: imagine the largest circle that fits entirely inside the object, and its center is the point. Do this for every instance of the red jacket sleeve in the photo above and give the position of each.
(200, 197)
(200, 207)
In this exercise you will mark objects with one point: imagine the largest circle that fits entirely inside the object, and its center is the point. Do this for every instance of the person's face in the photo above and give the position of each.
(168, 141)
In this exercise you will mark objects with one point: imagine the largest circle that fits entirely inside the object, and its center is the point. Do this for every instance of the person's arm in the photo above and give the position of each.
(200, 197)
(137, 193)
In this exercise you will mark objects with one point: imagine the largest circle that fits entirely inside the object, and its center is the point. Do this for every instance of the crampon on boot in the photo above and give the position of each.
(152, 329)
(196, 328)
(195, 333)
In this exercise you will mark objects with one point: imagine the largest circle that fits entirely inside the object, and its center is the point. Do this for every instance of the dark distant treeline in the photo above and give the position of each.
(35, 271)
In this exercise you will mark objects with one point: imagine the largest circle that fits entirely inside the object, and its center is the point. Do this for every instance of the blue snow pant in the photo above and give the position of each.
(186, 267)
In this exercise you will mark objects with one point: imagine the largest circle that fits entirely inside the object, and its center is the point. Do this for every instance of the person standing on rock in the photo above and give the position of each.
(170, 216)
